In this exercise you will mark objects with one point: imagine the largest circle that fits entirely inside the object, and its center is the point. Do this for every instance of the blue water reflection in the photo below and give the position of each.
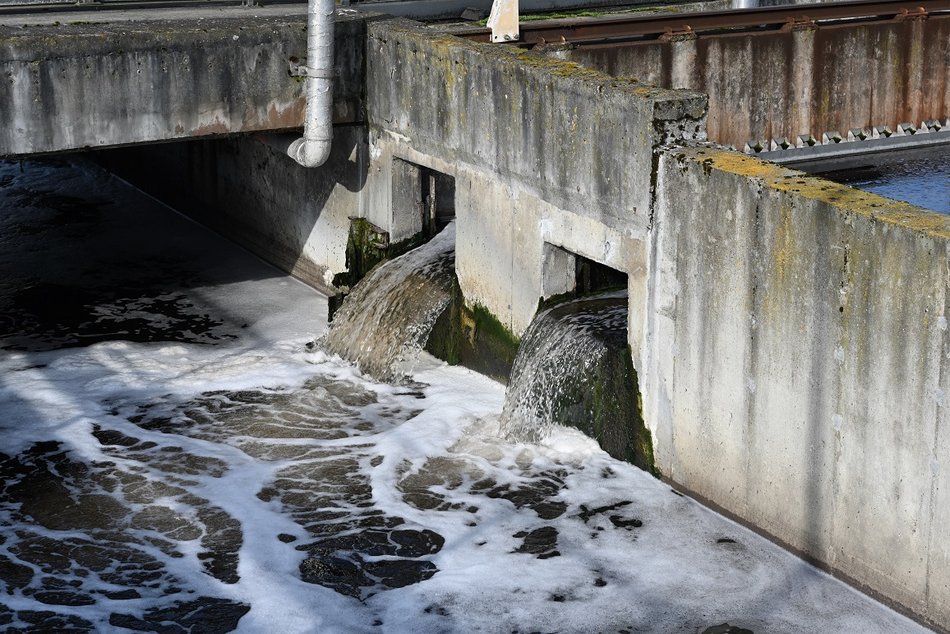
(920, 178)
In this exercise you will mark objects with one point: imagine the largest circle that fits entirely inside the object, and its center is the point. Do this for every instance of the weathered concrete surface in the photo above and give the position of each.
(251, 191)
(530, 142)
(781, 84)
(72, 86)
(796, 365)
(790, 334)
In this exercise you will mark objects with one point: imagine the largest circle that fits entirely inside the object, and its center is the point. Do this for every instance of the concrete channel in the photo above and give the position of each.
(789, 333)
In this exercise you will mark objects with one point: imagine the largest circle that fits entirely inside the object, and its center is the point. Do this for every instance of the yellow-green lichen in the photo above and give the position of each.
(840, 197)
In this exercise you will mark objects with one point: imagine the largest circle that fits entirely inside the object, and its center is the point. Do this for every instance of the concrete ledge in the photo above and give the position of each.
(533, 143)
(577, 138)
(797, 365)
(73, 86)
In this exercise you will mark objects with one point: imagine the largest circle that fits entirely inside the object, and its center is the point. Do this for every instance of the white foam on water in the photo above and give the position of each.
(299, 447)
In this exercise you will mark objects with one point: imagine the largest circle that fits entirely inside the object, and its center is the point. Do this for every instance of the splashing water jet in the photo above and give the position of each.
(385, 322)
(574, 368)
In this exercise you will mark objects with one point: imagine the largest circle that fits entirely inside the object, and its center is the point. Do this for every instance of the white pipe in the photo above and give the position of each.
(313, 148)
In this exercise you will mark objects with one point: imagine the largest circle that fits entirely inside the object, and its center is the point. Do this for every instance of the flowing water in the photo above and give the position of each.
(386, 320)
(175, 459)
(919, 177)
(574, 368)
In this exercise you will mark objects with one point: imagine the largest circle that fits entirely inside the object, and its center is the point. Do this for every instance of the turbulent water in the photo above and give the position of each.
(569, 352)
(173, 459)
(385, 321)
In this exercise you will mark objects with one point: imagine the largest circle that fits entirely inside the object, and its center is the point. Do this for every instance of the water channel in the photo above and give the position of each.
(180, 454)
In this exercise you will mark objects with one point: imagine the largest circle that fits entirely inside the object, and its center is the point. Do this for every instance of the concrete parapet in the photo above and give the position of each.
(552, 126)
(73, 86)
(521, 134)
(796, 365)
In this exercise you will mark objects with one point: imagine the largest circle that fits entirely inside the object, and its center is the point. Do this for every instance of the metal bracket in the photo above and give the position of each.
(503, 21)
(686, 33)
(799, 23)
(302, 70)
(552, 47)
(917, 14)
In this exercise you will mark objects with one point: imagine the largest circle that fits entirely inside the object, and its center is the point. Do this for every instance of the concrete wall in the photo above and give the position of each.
(251, 191)
(797, 362)
(778, 84)
(541, 150)
(790, 333)
(73, 86)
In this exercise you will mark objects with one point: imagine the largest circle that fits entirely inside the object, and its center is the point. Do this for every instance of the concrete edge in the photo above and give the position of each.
(672, 104)
(824, 567)
(846, 200)
(75, 39)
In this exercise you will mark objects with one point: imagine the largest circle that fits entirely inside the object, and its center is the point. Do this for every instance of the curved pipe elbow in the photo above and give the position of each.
(313, 149)
(310, 152)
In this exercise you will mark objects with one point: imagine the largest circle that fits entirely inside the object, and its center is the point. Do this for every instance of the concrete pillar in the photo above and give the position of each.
(558, 271)
(683, 67)
(407, 200)
(914, 88)
(802, 84)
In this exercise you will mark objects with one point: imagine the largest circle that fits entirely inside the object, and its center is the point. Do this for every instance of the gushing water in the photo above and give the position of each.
(574, 368)
(386, 320)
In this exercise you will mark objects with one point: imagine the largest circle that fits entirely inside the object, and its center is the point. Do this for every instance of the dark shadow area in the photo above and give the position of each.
(82, 267)
(250, 191)
(594, 277)
(438, 200)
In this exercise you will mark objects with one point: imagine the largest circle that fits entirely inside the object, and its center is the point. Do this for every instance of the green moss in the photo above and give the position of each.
(366, 247)
(604, 403)
(489, 331)
(844, 199)
(473, 337)
(645, 439)
(617, 412)
(553, 15)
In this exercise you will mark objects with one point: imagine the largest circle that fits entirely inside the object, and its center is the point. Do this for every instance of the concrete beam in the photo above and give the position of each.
(73, 86)
(532, 143)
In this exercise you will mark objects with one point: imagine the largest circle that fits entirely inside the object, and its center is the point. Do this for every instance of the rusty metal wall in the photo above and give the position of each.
(803, 81)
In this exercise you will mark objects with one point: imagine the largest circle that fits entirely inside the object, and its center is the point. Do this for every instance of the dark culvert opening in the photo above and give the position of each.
(423, 204)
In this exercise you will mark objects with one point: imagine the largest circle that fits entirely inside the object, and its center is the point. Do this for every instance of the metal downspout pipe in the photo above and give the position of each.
(313, 148)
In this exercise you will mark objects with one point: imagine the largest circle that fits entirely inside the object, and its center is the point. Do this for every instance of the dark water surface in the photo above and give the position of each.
(920, 177)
